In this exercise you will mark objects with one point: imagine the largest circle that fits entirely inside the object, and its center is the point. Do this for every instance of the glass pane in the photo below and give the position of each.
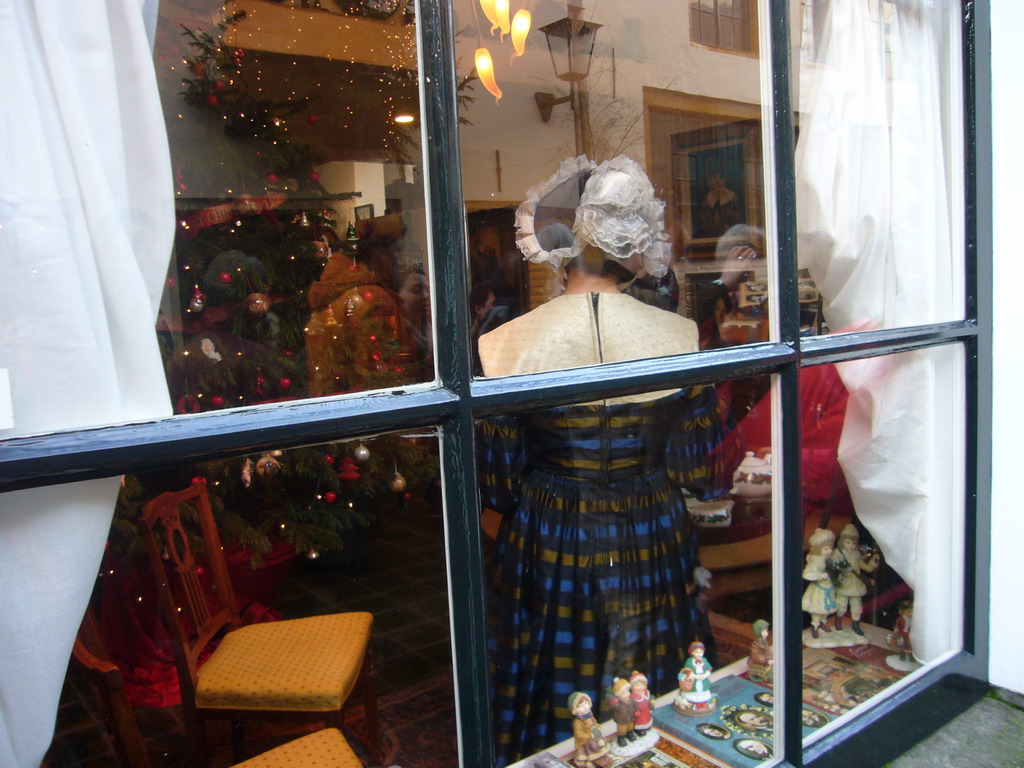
(883, 491)
(299, 268)
(879, 164)
(307, 535)
(630, 564)
(680, 125)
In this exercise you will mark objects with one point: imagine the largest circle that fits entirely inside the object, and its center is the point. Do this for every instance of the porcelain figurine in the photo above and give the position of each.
(642, 699)
(695, 697)
(850, 588)
(591, 748)
(623, 712)
(761, 662)
(819, 598)
(899, 639)
(753, 477)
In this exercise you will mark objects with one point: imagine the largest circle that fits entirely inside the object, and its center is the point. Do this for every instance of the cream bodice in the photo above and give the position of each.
(576, 330)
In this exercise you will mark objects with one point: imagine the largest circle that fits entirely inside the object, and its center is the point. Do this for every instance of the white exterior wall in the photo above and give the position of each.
(651, 48)
(1006, 668)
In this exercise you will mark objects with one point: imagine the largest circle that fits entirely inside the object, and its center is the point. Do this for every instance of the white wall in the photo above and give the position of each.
(1006, 667)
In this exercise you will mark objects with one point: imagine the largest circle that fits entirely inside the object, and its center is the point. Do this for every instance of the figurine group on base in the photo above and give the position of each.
(836, 587)
(630, 703)
(695, 698)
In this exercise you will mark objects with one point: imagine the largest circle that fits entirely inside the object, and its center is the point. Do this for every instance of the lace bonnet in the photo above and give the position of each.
(611, 206)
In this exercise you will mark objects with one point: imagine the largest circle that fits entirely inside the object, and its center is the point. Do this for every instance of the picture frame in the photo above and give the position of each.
(715, 179)
(364, 212)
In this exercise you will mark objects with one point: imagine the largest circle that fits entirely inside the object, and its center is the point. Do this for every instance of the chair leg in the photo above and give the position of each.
(369, 689)
(238, 751)
(195, 736)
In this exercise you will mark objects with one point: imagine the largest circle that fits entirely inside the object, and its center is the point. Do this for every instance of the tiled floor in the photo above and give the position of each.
(402, 582)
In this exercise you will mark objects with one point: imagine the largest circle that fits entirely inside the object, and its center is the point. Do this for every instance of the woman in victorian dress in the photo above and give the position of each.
(596, 569)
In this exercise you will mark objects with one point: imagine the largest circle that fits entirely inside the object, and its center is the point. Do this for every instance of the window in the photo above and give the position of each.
(727, 24)
(767, 203)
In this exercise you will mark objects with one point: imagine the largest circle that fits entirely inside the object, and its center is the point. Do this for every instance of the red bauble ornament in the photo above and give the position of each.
(328, 458)
(219, 85)
(217, 401)
(187, 404)
(373, 337)
(407, 496)
(368, 295)
(288, 352)
(284, 382)
(225, 277)
(311, 119)
(314, 176)
(330, 497)
(271, 178)
(212, 100)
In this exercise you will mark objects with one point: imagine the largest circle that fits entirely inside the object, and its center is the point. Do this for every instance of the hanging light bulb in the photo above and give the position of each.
(488, 8)
(501, 10)
(485, 71)
(520, 29)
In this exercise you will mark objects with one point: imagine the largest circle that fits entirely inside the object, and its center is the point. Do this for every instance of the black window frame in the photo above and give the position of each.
(454, 405)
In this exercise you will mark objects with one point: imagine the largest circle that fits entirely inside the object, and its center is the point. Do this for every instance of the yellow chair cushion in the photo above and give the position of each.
(302, 664)
(323, 749)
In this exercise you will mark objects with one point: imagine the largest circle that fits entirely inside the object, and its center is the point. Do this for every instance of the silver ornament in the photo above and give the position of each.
(361, 453)
(397, 483)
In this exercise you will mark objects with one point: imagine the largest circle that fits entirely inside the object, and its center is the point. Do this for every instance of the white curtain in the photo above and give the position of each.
(879, 219)
(86, 225)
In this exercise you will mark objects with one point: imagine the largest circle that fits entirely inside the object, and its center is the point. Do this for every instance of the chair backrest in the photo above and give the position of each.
(107, 686)
(191, 619)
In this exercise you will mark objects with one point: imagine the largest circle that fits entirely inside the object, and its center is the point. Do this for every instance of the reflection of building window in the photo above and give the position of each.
(727, 24)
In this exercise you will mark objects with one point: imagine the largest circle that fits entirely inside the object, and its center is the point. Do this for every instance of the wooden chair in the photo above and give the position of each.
(326, 748)
(107, 688)
(302, 669)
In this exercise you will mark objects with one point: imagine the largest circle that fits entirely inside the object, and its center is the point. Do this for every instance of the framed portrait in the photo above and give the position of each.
(364, 212)
(716, 182)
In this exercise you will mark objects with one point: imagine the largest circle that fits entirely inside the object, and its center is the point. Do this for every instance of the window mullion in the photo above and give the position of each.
(454, 363)
(780, 188)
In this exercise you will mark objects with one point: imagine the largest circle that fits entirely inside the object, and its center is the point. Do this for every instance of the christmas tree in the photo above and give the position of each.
(265, 302)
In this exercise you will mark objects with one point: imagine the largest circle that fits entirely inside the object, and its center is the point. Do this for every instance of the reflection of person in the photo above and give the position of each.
(487, 315)
(414, 328)
(819, 597)
(738, 251)
(761, 661)
(851, 588)
(595, 566)
(719, 209)
(591, 747)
